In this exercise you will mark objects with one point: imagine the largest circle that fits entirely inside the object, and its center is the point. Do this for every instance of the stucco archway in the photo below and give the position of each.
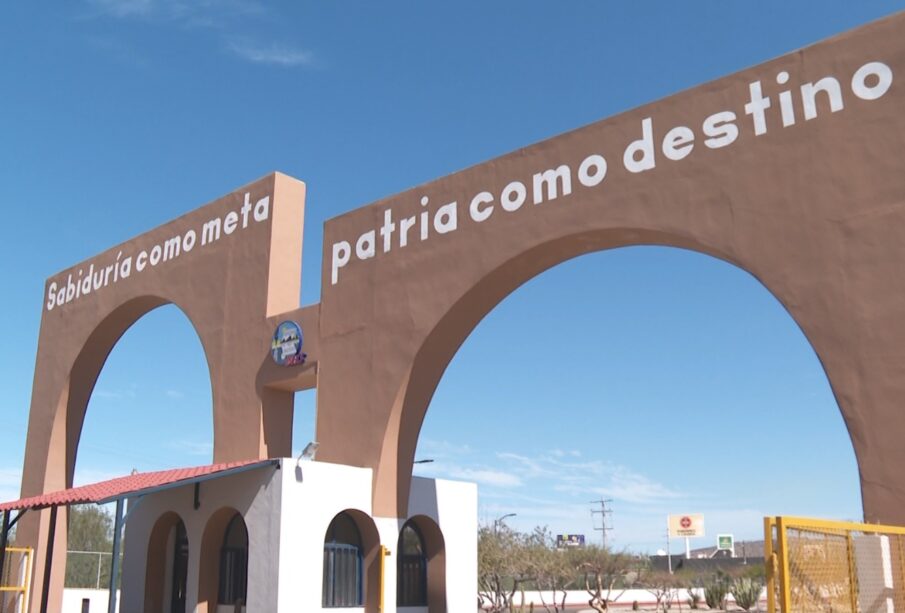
(812, 208)
(163, 544)
(179, 263)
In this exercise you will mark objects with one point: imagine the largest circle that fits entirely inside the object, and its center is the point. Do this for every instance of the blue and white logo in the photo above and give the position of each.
(286, 347)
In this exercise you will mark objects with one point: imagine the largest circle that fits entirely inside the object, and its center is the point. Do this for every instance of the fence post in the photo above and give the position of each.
(770, 564)
(785, 590)
(852, 576)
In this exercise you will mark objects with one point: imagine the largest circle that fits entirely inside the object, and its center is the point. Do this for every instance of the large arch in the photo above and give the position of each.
(811, 209)
(454, 327)
(228, 309)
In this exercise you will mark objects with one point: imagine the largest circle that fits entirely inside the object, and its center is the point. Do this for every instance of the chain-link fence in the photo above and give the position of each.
(834, 567)
(15, 577)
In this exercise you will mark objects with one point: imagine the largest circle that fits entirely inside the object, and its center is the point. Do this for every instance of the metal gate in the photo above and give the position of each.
(342, 575)
(15, 579)
(816, 565)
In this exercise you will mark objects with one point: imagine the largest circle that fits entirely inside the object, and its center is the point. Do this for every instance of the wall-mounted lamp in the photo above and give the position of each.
(309, 451)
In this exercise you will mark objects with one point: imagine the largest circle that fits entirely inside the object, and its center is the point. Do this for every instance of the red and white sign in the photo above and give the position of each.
(686, 526)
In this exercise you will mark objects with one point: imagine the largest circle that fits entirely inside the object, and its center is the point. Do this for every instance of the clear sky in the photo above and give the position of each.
(665, 380)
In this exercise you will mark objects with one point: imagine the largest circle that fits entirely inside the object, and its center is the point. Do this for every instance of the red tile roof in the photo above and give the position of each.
(123, 487)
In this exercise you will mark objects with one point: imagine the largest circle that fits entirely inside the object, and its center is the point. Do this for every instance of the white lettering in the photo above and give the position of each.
(342, 252)
(246, 208)
(386, 231)
(644, 146)
(172, 248)
(364, 248)
(551, 179)
(210, 232)
(809, 92)
(756, 108)
(188, 241)
(883, 74)
(404, 227)
(477, 213)
(513, 196)
(51, 296)
(230, 222)
(262, 209)
(721, 129)
(446, 219)
(586, 177)
(678, 143)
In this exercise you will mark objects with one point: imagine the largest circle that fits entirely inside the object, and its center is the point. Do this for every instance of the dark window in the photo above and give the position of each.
(411, 568)
(234, 563)
(342, 563)
(180, 569)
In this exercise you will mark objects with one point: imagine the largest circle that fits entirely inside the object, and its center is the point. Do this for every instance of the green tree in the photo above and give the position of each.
(553, 570)
(90, 529)
(606, 574)
(503, 566)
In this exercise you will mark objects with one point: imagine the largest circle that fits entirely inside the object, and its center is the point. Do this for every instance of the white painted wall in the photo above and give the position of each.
(313, 494)
(454, 506)
(97, 600)
(287, 512)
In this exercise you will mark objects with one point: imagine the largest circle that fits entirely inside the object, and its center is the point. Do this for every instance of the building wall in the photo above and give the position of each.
(454, 506)
(287, 512)
(312, 498)
(313, 494)
(255, 494)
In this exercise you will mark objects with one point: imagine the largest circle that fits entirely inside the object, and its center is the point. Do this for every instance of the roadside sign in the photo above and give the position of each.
(569, 540)
(688, 526)
(725, 542)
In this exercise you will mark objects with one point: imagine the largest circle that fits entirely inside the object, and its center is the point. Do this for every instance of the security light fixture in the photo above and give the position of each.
(309, 451)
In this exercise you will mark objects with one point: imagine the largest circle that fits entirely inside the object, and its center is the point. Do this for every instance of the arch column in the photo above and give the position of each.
(247, 272)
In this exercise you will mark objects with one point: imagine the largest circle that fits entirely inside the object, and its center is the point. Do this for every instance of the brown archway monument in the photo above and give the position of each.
(793, 170)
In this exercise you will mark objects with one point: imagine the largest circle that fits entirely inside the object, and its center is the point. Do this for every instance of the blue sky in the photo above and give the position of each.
(665, 380)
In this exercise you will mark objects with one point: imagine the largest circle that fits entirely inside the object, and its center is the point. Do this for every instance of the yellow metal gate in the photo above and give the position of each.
(15, 579)
(825, 566)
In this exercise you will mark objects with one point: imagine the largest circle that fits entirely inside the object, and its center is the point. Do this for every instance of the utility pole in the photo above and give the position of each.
(604, 512)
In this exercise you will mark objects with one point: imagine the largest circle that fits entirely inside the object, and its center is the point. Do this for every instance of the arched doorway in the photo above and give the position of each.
(223, 573)
(351, 571)
(421, 566)
(166, 572)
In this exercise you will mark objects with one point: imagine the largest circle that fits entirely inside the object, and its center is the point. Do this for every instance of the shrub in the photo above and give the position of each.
(747, 592)
(694, 599)
(716, 591)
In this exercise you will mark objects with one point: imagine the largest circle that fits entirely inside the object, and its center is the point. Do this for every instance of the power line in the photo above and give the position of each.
(604, 513)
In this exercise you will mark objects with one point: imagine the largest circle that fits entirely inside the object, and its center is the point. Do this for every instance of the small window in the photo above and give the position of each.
(234, 563)
(342, 563)
(411, 568)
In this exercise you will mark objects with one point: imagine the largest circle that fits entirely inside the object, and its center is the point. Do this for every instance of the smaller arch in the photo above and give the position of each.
(351, 572)
(223, 572)
(166, 570)
(421, 565)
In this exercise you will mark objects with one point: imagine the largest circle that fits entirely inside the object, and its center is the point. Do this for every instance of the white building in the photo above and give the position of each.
(284, 535)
